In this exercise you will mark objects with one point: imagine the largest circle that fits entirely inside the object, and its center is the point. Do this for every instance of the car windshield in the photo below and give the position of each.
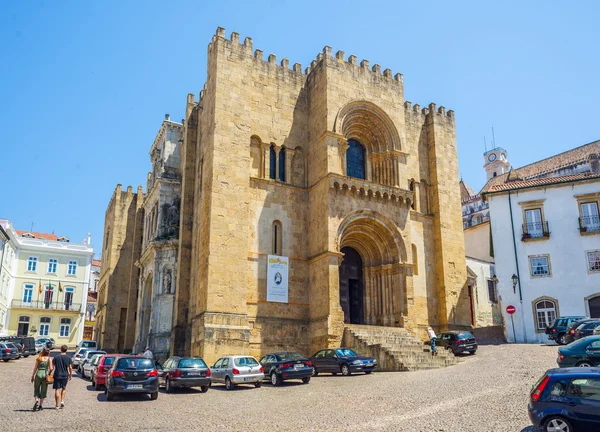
(90, 354)
(290, 356)
(345, 352)
(135, 363)
(465, 335)
(245, 361)
(191, 363)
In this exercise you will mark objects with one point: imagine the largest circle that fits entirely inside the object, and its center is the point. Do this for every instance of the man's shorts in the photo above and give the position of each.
(60, 383)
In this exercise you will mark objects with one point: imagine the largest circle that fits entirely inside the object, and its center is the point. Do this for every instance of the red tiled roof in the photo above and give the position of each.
(465, 191)
(542, 182)
(38, 235)
(96, 262)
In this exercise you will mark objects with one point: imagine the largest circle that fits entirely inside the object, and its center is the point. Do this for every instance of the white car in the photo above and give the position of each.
(85, 359)
(89, 366)
(77, 356)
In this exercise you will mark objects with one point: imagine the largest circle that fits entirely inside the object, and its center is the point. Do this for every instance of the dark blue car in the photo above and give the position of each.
(567, 400)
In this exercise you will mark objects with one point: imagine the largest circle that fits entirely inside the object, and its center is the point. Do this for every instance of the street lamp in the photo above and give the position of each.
(515, 280)
(495, 280)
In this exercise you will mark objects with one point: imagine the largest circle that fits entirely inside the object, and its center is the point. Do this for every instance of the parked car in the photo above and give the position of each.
(459, 342)
(52, 343)
(129, 374)
(84, 359)
(87, 344)
(284, 366)
(15, 348)
(27, 344)
(46, 343)
(586, 329)
(76, 359)
(235, 370)
(101, 369)
(566, 400)
(571, 328)
(582, 352)
(558, 330)
(184, 372)
(597, 331)
(87, 367)
(341, 360)
(7, 352)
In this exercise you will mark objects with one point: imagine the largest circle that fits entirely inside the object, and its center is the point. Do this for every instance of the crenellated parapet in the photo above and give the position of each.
(440, 113)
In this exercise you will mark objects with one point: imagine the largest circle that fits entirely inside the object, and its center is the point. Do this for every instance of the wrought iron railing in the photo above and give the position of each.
(41, 304)
(589, 223)
(535, 230)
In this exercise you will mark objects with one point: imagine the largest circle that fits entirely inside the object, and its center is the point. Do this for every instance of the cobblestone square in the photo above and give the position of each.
(486, 392)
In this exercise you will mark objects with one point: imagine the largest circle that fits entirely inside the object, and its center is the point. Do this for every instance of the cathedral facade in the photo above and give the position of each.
(330, 169)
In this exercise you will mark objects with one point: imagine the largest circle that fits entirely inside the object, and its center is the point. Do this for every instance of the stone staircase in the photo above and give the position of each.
(395, 348)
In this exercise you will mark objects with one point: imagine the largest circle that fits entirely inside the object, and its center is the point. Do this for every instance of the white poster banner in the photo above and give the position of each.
(277, 278)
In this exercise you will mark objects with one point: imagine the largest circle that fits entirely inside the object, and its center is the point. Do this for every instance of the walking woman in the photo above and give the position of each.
(432, 338)
(43, 368)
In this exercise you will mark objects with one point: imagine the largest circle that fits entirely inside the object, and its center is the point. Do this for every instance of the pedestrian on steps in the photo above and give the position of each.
(432, 338)
(43, 367)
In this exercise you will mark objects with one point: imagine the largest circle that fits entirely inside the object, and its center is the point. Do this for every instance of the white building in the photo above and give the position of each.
(7, 274)
(546, 239)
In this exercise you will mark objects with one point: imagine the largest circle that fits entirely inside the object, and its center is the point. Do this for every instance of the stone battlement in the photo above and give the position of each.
(440, 112)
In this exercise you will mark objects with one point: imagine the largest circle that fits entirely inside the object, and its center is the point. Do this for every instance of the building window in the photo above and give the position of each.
(593, 259)
(590, 219)
(277, 238)
(27, 293)
(44, 326)
(48, 294)
(72, 268)
(540, 265)
(355, 160)
(69, 293)
(32, 264)
(65, 327)
(492, 291)
(282, 164)
(52, 263)
(545, 314)
(23, 329)
(272, 162)
(533, 222)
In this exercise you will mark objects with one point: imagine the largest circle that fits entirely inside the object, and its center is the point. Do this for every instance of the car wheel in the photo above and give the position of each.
(334, 373)
(306, 380)
(585, 364)
(110, 396)
(258, 384)
(368, 372)
(228, 384)
(154, 396)
(26, 356)
(562, 339)
(168, 387)
(275, 379)
(557, 424)
(96, 386)
(204, 389)
(315, 372)
(6, 360)
(82, 374)
(345, 370)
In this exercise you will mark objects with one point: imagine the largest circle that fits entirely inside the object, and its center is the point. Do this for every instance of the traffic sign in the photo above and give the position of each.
(510, 309)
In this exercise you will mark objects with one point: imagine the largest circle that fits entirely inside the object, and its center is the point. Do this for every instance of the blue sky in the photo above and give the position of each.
(85, 85)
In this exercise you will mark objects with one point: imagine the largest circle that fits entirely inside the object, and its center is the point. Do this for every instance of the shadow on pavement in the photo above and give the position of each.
(532, 429)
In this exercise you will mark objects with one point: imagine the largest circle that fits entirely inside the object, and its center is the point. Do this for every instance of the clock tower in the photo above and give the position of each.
(496, 162)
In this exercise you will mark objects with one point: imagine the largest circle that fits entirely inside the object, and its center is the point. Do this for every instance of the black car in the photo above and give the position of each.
(132, 375)
(27, 344)
(16, 348)
(571, 328)
(586, 328)
(284, 366)
(584, 352)
(558, 330)
(459, 342)
(7, 352)
(184, 372)
(341, 360)
(566, 400)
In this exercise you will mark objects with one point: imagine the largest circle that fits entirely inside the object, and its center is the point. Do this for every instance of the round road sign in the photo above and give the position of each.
(510, 309)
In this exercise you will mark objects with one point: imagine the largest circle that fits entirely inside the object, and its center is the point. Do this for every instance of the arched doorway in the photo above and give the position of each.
(351, 287)
(594, 304)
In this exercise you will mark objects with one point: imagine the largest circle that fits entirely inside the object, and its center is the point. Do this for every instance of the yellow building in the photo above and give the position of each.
(50, 286)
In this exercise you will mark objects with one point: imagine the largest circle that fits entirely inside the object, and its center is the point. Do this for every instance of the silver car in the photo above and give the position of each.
(234, 370)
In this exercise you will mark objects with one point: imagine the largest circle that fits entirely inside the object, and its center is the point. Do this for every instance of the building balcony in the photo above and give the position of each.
(589, 225)
(535, 231)
(42, 305)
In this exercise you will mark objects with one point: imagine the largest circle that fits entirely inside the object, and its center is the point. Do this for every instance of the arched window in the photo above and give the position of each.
(272, 162)
(282, 164)
(355, 160)
(276, 241)
(411, 187)
(545, 313)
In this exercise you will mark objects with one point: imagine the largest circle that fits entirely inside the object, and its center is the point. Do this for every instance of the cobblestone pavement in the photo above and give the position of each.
(486, 392)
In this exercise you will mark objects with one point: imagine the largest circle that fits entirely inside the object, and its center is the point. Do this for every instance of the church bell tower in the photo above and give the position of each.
(496, 162)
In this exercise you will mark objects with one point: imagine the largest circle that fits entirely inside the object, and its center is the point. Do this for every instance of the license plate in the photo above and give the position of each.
(299, 365)
(194, 374)
(135, 386)
(248, 379)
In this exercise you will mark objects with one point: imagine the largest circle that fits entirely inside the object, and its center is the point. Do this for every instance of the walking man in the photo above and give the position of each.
(63, 372)
(432, 338)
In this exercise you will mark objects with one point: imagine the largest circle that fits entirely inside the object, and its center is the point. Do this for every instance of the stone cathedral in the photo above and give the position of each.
(329, 167)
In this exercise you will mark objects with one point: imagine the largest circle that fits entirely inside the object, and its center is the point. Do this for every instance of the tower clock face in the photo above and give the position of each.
(492, 157)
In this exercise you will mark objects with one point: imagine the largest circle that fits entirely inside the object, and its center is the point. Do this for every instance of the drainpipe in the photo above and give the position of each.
(512, 224)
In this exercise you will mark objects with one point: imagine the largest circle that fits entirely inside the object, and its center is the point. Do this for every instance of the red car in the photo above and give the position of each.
(100, 370)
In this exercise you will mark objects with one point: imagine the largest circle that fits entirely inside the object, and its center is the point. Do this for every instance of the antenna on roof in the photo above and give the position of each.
(493, 137)
(32, 224)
